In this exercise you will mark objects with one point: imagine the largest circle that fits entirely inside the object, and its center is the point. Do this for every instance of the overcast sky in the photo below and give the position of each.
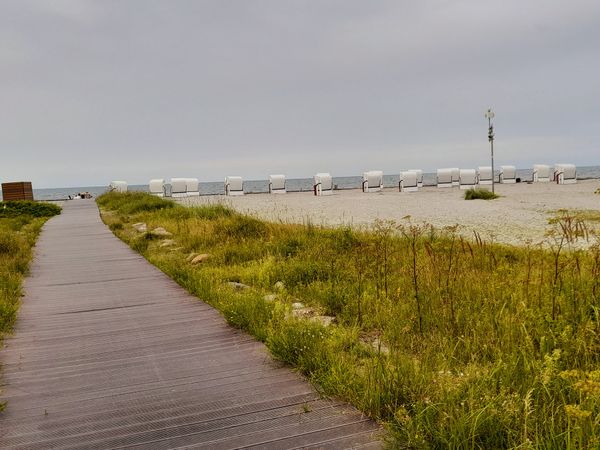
(95, 90)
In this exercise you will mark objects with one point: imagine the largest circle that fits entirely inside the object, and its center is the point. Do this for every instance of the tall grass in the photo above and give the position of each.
(451, 343)
(479, 194)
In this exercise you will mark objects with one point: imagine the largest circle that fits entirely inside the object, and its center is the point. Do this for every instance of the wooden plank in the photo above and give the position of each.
(20, 190)
(109, 352)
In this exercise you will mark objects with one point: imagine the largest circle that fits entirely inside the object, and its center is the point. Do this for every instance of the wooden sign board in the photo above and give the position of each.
(20, 190)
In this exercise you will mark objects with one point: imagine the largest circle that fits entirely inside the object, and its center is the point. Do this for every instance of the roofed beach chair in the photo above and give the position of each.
(455, 176)
(565, 173)
(118, 186)
(192, 187)
(277, 184)
(468, 178)
(508, 174)
(419, 173)
(234, 186)
(323, 184)
(178, 187)
(444, 178)
(484, 175)
(541, 173)
(408, 181)
(157, 187)
(372, 181)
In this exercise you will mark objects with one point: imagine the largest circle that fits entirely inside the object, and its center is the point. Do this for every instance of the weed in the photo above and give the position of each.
(479, 194)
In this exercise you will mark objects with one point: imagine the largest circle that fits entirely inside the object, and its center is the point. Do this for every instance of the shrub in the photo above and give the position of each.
(479, 194)
(28, 208)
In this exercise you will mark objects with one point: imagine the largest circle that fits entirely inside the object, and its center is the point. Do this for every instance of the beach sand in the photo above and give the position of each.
(520, 215)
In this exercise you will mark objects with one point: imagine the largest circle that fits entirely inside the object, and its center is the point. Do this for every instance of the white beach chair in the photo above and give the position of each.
(234, 186)
(179, 187)
(192, 187)
(408, 181)
(157, 187)
(508, 174)
(455, 176)
(323, 184)
(484, 175)
(541, 173)
(277, 184)
(372, 181)
(444, 178)
(565, 174)
(419, 173)
(468, 178)
(118, 186)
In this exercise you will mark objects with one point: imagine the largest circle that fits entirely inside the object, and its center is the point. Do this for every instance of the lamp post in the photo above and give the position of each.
(489, 115)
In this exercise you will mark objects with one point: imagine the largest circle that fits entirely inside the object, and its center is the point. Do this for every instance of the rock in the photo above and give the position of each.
(167, 243)
(238, 286)
(200, 258)
(380, 346)
(160, 232)
(191, 256)
(323, 320)
(297, 305)
(304, 313)
(270, 297)
(280, 286)
(140, 227)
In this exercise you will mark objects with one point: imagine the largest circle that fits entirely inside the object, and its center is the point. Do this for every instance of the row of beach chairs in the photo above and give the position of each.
(189, 187)
(410, 180)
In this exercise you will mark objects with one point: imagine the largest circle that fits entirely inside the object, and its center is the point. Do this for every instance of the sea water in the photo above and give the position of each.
(292, 185)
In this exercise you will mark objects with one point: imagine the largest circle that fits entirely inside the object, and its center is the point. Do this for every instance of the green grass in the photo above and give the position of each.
(20, 224)
(450, 343)
(479, 194)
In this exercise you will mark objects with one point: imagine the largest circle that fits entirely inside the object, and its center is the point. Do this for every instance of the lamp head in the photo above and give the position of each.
(489, 114)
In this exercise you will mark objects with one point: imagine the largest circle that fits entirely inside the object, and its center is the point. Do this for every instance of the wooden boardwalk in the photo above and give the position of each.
(109, 352)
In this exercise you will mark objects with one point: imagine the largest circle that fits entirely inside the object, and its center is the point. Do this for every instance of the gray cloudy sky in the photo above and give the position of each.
(94, 90)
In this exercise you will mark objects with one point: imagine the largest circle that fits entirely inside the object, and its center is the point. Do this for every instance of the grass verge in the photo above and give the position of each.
(451, 343)
(20, 224)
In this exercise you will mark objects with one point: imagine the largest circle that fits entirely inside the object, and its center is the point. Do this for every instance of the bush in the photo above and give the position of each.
(479, 194)
(28, 208)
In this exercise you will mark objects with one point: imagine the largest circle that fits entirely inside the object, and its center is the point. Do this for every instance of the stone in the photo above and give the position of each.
(323, 320)
(200, 258)
(270, 297)
(280, 286)
(238, 286)
(140, 227)
(161, 232)
(297, 305)
(191, 256)
(304, 313)
(167, 243)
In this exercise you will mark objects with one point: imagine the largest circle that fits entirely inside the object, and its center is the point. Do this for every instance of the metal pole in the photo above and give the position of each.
(491, 137)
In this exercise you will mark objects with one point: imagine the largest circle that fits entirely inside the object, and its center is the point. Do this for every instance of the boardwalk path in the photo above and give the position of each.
(109, 352)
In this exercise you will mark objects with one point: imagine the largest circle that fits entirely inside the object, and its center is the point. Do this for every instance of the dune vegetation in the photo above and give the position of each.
(479, 194)
(449, 342)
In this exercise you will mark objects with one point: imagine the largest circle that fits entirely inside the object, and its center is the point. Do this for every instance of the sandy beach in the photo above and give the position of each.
(520, 215)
